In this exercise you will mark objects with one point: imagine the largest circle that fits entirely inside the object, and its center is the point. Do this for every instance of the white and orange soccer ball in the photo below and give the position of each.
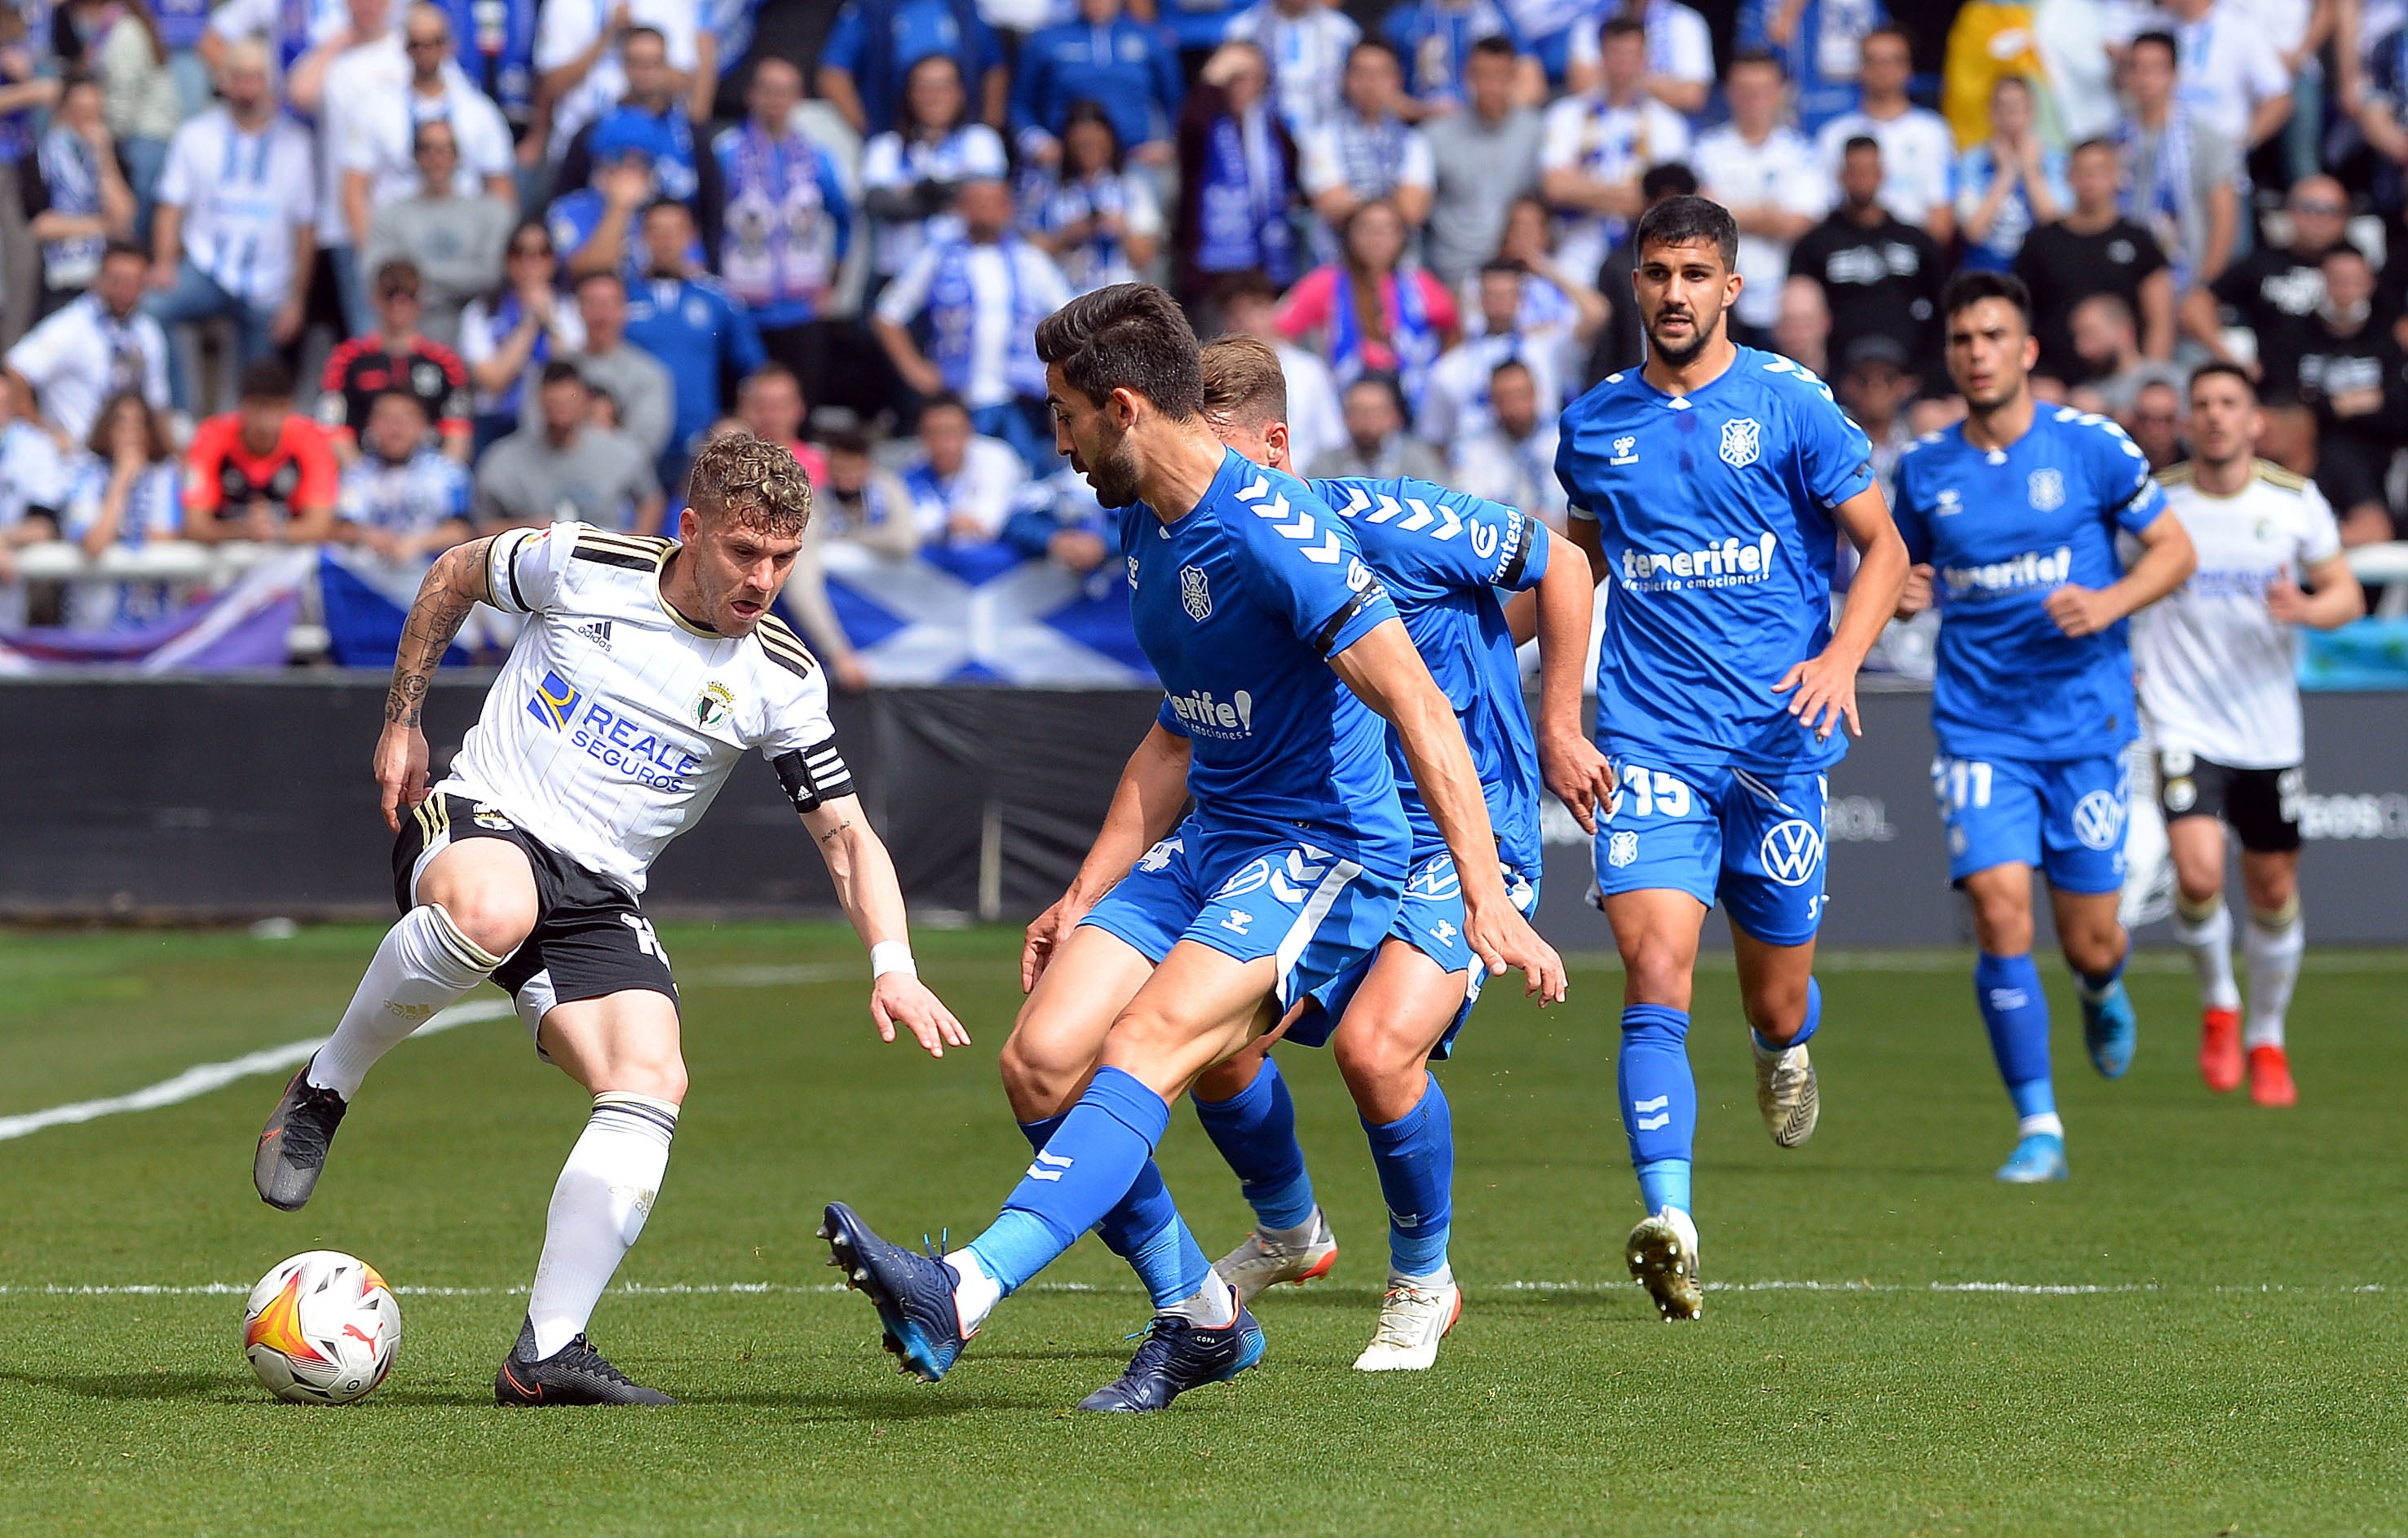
(321, 1328)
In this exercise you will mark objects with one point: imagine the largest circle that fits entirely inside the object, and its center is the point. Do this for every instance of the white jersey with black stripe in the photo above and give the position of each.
(615, 720)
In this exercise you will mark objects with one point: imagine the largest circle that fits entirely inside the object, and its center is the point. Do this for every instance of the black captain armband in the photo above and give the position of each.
(814, 775)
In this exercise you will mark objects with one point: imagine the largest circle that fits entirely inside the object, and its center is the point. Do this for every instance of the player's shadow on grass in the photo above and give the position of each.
(214, 1388)
(898, 1404)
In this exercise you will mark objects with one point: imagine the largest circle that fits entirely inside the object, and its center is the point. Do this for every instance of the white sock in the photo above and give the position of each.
(1428, 1282)
(2209, 941)
(1213, 1307)
(605, 1191)
(975, 1294)
(2272, 946)
(424, 964)
(1296, 1238)
(2045, 1122)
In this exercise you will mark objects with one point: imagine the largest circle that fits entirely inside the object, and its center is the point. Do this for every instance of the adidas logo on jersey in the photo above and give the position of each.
(2029, 570)
(596, 631)
(1729, 564)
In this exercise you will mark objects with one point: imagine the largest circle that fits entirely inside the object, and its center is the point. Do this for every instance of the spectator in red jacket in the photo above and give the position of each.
(261, 471)
(397, 357)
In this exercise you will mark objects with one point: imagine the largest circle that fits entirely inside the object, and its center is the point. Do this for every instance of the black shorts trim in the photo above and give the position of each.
(590, 938)
(2260, 805)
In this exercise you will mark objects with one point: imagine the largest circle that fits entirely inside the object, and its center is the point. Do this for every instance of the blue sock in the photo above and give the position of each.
(1415, 1157)
(2016, 1012)
(1659, 1102)
(1084, 1170)
(1144, 1229)
(1255, 1131)
(2096, 983)
(1813, 1021)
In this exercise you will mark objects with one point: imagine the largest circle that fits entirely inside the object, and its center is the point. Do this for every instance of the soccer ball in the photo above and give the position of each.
(321, 1328)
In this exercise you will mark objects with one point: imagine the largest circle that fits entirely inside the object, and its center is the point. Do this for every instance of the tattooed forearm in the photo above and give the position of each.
(457, 584)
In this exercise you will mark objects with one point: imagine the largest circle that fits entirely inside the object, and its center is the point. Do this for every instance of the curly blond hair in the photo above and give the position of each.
(755, 482)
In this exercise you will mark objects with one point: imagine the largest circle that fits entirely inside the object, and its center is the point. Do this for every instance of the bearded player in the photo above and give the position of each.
(647, 670)
(2012, 515)
(2220, 682)
(1711, 487)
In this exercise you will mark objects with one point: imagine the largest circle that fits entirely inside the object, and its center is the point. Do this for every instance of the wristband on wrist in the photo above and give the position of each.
(891, 956)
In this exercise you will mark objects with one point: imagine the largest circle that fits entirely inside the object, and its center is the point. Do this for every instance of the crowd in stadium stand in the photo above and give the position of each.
(390, 275)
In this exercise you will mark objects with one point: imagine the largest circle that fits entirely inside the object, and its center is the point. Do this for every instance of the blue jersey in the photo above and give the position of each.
(697, 332)
(1714, 512)
(1442, 556)
(2003, 529)
(1238, 605)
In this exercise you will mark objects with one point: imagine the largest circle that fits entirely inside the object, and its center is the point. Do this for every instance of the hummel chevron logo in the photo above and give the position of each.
(1661, 1105)
(1256, 492)
(1324, 554)
(1290, 886)
(1049, 1167)
(1389, 508)
(1356, 500)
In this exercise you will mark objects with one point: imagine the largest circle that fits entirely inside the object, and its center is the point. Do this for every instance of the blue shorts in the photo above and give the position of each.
(1752, 843)
(1251, 892)
(1430, 920)
(2065, 820)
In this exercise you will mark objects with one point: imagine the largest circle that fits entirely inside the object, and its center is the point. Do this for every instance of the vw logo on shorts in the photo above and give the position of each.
(1436, 881)
(1792, 851)
(1245, 881)
(2099, 819)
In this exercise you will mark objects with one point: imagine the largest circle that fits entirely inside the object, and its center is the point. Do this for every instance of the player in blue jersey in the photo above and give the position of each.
(1443, 558)
(1275, 645)
(2013, 517)
(1713, 486)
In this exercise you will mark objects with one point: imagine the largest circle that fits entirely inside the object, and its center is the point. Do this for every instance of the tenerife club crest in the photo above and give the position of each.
(2047, 489)
(1741, 438)
(1194, 593)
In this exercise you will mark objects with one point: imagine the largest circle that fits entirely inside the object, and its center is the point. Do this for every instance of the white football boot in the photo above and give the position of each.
(1785, 1093)
(1260, 1263)
(1412, 1320)
(1662, 1252)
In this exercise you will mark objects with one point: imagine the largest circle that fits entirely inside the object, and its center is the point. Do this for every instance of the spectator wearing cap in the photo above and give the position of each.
(594, 227)
(1766, 175)
(2008, 184)
(1481, 158)
(1306, 43)
(101, 345)
(1236, 176)
(1437, 41)
(1680, 70)
(978, 295)
(380, 161)
(911, 173)
(1875, 384)
(786, 224)
(1456, 405)
(1110, 58)
(1248, 304)
(262, 471)
(1880, 275)
(560, 468)
(633, 379)
(685, 319)
(1377, 446)
(655, 98)
(395, 356)
(509, 335)
(1365, 151)
(455, 242)
(236, 231)
(866, 61)
(1919, 153)
(2094, 249)
(962, 482)
(1600, 142)
(1513, 459)
(593, 56)
(2180, 175)
(1820, 45)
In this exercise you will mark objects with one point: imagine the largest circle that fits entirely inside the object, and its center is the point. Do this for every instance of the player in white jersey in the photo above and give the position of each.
(2219, 686)
(646, 669)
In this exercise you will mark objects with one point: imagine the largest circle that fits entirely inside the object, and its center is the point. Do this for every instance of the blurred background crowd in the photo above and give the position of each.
(376, 277)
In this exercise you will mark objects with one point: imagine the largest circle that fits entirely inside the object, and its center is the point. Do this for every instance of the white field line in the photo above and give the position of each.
(697, 1290)
(202, 1078)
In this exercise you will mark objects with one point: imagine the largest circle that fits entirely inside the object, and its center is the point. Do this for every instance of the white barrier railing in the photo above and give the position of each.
(171, 561)
(2385, 565)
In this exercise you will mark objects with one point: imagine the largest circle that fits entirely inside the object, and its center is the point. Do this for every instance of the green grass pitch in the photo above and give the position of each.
(2226, 1356)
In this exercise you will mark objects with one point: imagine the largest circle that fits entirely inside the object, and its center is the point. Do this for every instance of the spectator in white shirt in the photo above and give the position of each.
(99, 346)
(236, 232)
(1599, 145)
(1680, 54)
(910, 173)
(982, 294)
(338, 83)
(1307, 42)
(1457, 405)
(379, 159)
(2233, 76)
(1918, 150)
(1249, 306)
(962, 484)
(1366, 153)
(1766, 174)
(33, 490)
(576, 56)
(1513, 460)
